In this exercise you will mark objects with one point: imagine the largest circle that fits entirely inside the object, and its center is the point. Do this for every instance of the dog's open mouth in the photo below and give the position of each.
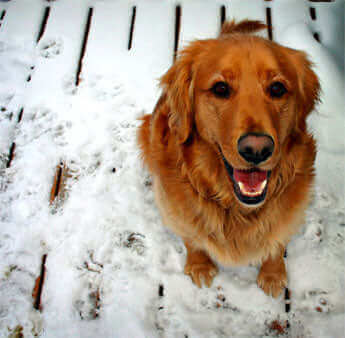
(250, 186)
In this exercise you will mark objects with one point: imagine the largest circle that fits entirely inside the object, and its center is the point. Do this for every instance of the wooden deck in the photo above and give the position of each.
(134, 29)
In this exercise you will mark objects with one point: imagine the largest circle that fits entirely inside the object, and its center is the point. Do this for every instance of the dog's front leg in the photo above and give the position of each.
(272, 278)
(199, 266)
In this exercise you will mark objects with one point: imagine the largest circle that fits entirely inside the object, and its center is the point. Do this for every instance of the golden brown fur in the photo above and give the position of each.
(181, 142)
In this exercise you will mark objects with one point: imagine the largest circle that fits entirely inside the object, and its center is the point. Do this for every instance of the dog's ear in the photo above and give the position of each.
(178, 84)
(244, 27)
(308, 87)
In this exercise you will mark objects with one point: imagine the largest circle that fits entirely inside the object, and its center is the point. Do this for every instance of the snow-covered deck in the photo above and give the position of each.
(83, 252)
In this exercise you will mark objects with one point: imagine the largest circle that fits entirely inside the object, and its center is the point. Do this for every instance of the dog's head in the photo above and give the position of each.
(246, 98)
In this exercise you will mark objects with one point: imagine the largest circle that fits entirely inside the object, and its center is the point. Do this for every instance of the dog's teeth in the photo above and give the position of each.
(263, 185)
(241, 185)
(254, 193)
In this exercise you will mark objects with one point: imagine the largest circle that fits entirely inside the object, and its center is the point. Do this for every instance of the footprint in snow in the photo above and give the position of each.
(50, 48)
(41, 121)
(318, 300)
(88, 302)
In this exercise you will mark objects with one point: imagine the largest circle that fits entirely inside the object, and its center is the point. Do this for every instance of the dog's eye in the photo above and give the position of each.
(277, 89)
(221, 89)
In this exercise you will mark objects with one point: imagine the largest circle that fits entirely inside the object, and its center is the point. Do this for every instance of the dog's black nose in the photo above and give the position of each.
(255, 148)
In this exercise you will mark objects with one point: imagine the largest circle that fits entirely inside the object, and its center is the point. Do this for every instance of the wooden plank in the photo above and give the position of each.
(61, 53)
(120, 30)
(262, 11)
(31, 33)
(59, 50)
(156, 20)
(109, 33)
(323, 20)
(199, 23)
(24, 25)
(329, 25)
(247, 9)
(285, 14)
(295, 12)
(22, 21)
(289, 17)
(59, 58)
(19, 28)
(151, 57)
(280, 327)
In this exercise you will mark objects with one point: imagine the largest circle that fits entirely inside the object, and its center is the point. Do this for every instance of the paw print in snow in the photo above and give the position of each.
(222, 302)
(36, 124)
(318, 300)
(134, 241)
(314, 231)
(59, 132)
(323, 305)
(42, 121)
(88, 302)
(104, 89)
(69, 86)
(107, 93)
(50, 48)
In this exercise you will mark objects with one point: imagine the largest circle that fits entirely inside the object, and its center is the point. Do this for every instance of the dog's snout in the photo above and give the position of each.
(255, 148)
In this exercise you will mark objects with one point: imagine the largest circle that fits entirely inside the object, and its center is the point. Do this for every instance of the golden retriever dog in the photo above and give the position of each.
(229, 152)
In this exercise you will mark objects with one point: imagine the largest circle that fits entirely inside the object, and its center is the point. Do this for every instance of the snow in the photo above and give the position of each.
(112, 269)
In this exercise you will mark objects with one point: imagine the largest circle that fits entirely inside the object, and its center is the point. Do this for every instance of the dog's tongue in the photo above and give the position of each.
(251, 179)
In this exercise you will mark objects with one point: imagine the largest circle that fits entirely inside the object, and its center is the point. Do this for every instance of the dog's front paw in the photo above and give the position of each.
(201, 273)
(272, 283)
